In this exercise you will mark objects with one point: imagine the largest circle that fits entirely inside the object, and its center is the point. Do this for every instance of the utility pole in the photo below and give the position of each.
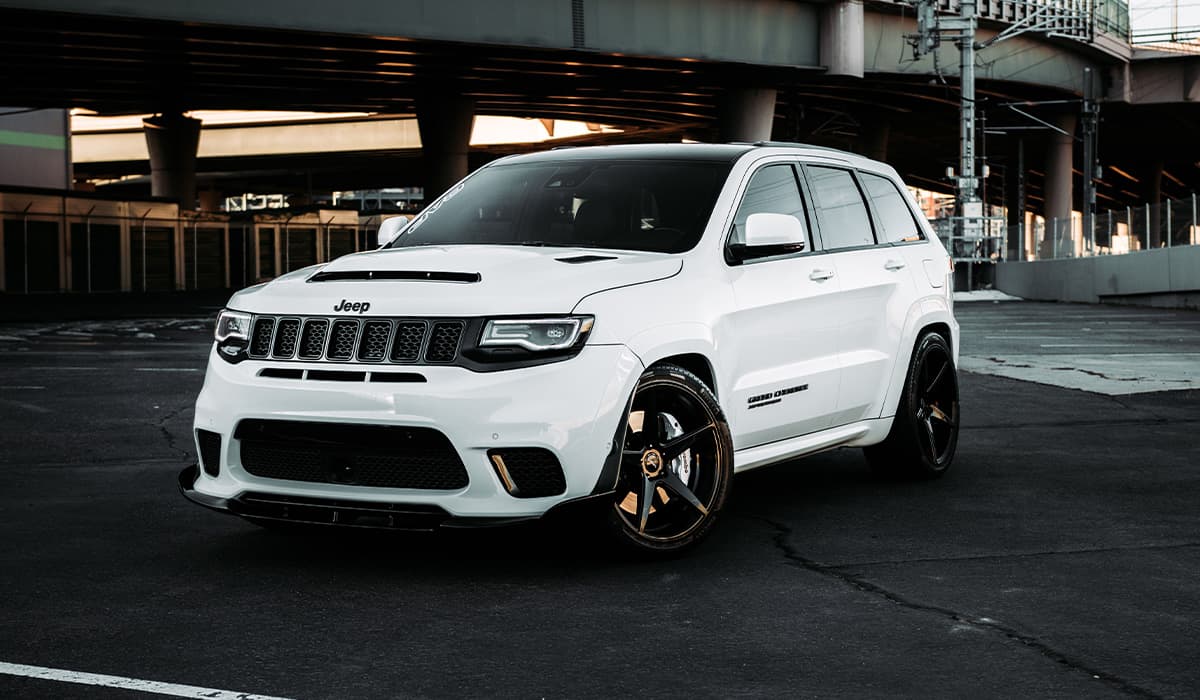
(1091, 113)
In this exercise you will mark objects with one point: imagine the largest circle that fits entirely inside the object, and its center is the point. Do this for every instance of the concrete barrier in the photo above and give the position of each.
(1165, 277)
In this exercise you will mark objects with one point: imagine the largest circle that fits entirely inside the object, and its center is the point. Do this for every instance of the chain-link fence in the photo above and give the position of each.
(1111, 232)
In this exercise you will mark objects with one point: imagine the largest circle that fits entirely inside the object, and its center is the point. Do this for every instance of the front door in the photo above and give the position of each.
(781, 336)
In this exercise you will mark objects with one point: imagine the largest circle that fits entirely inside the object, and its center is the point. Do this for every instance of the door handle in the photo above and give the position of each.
(820, 275)
(893, 265)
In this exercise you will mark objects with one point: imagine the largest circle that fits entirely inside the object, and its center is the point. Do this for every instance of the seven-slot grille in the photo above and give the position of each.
(381, 340)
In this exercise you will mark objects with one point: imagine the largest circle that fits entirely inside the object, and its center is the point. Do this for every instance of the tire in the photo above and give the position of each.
(924, 433)
(685, 468)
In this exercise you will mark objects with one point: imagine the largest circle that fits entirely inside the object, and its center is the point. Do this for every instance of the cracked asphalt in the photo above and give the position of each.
(1060, 558)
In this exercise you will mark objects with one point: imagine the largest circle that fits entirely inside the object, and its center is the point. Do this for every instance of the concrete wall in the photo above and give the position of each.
(1168, 277)
(35, 148)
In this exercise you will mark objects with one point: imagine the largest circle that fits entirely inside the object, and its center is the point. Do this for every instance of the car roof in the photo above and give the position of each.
(718, 152)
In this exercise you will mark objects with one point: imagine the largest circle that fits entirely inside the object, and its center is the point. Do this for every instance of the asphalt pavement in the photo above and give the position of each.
(1059, 558)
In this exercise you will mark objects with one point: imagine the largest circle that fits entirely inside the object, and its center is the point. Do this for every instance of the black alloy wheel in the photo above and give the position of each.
(676, 463)
(924, 432)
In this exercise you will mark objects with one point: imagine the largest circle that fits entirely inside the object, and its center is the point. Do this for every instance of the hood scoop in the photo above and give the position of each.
(413, 275)
(580, 259)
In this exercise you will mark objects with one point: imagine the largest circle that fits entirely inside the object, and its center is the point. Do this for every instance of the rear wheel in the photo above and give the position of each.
(924, 432)
(676, 464)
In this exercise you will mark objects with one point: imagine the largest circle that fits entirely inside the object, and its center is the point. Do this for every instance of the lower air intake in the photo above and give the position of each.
(341, 453)
(529, 472)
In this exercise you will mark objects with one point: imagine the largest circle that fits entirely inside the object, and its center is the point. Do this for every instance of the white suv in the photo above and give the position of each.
(628, 325)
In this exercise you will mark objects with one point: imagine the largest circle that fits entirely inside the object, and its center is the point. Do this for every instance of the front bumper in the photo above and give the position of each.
(572, 408)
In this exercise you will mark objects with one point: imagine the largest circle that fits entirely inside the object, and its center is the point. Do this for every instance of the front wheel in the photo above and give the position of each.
(676, 464)
(924, 432)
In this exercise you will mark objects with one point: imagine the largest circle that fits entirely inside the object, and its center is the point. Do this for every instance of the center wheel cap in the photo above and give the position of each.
(652, 463)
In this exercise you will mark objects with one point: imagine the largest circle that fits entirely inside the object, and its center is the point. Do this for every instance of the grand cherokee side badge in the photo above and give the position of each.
(359, 307)
(773, 397)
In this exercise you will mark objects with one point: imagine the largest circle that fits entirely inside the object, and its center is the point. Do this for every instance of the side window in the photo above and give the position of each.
(840, 208)
(892, 213)
(772, 190)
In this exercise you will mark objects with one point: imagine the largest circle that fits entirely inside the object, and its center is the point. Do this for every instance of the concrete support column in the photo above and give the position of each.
(172, 140)
(746, 114)
(842, 38)
(1058, 187)
(445, 121)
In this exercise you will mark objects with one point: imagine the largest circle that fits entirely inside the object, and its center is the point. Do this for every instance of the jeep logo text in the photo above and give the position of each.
(358, 307)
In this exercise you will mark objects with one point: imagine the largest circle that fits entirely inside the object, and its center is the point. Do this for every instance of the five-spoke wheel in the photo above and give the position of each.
(676, 463)
(924, 432)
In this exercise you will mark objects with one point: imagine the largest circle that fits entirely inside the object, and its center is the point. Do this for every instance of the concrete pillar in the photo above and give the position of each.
(172, 140)
(1058, 187)
(445, 121)
(746, 114)
(842, 38)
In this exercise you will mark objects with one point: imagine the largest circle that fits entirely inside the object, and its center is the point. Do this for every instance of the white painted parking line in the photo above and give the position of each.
(135, 684)
(21, 388)
(166, 369)
(32, 408)
(1084, 345)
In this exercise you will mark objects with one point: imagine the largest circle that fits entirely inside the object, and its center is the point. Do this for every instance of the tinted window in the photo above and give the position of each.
(772, 190)
(840, 208)
(891, 211)
(631, 205)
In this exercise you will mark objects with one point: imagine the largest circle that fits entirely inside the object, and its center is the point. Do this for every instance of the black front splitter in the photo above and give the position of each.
(360, 514)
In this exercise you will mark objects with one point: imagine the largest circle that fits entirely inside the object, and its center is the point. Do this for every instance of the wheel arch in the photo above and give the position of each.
(694, 362)
(927, 317)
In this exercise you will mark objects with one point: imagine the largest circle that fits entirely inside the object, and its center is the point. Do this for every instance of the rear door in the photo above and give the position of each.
(875, 294)
(781, 336)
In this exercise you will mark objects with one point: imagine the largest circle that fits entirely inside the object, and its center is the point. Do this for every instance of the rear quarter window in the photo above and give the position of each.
(894, 217)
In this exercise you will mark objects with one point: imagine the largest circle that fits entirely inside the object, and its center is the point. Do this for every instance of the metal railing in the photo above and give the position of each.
(1113, 232)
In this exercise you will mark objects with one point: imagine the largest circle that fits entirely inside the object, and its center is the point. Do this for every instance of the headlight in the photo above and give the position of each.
(232, 325)
(537, 334)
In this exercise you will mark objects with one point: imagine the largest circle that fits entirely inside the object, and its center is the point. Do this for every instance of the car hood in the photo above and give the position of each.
(466, 280)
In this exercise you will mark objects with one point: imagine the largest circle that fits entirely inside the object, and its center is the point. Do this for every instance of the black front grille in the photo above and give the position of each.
(382, 340)
(285, 337)
(535, 472)
(210, 451)
(362, 455)
(341, 340)
(443, 341)
(312, 343)
(410, 335)
(372, 345)
(260, 340)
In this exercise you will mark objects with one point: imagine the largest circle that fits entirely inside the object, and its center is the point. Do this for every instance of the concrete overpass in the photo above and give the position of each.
(835, 73)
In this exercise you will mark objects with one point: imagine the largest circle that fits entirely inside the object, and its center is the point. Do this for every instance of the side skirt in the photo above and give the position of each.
(858, 434)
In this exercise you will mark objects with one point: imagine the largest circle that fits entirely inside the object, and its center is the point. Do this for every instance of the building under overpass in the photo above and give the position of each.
(835, 73)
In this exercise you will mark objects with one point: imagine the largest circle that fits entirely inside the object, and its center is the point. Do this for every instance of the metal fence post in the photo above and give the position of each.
(1192, 228)
(1110, 231)
(1148, 224)
(1169, 230)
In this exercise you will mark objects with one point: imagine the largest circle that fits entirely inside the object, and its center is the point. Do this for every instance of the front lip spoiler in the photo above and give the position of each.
(375, 516)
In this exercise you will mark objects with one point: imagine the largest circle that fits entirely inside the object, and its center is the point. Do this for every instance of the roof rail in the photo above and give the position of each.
(793, 144)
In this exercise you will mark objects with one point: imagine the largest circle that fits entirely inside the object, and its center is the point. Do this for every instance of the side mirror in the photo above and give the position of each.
(770, 234)
(389, 228)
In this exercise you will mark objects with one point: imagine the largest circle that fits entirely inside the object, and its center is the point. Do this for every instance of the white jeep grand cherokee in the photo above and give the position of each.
(628, 325)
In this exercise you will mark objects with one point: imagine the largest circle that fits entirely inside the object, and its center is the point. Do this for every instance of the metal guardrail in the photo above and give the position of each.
(1079, 19)
(1115, 232)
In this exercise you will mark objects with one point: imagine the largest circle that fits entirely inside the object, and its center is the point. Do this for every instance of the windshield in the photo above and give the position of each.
(649, 205)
